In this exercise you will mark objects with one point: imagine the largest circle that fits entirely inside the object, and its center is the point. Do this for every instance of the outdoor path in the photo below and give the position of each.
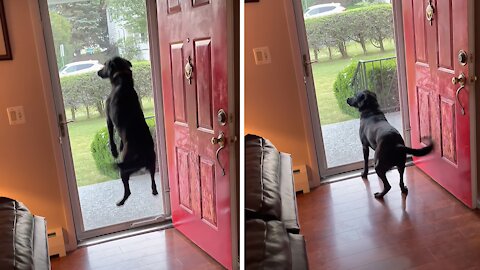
(98, 202)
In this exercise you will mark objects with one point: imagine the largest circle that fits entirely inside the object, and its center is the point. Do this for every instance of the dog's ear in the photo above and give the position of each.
(129, 63)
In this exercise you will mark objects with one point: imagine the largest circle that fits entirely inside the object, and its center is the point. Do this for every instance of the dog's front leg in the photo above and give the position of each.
(111, 130)
(365, 161)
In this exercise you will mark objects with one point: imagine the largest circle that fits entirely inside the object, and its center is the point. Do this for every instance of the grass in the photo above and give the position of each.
(81, 135)
(325, 73)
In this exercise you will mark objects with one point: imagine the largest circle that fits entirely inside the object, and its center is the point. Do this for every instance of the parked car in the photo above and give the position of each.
(80, 67)
(323, 10)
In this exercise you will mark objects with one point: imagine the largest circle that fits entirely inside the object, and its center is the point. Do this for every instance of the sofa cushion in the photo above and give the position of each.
(267, 245)
(16, 234)
(262, 188)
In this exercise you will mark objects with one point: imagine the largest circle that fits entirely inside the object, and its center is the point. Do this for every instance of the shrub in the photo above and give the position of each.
(381, 79)
(343, 89)
(100, 148)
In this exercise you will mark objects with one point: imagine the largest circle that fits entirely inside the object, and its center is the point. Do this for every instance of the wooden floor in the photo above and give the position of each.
(167, 249)
(347, 228)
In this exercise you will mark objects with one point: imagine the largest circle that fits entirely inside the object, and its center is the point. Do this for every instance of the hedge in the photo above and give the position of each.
(100, 149)
(386, 89)
(373, 24)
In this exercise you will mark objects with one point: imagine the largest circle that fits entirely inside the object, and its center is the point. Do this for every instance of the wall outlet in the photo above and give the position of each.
(16, 115)
(262, 55)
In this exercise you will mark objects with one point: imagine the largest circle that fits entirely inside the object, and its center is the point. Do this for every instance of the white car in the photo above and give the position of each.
(80, 67)
(323, 10)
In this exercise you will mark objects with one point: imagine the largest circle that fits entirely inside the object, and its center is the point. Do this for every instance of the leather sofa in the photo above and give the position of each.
(272, 239)
(23, 238)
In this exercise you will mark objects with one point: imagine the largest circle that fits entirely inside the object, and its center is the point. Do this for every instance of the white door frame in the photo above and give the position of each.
(312, 109)
(67, 162)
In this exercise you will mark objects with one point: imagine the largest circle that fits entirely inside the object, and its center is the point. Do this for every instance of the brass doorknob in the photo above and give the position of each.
(220, 140)
(460, 79)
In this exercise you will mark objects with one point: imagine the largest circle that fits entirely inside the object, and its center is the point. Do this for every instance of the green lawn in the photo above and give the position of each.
(325, 73)
(81, 134)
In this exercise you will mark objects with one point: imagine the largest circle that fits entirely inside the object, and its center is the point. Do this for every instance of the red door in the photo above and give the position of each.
(435, 103)
(194, 60)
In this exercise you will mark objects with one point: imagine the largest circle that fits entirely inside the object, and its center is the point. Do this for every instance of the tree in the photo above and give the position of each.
(380, 26)
(356, 21)
(62, 35)
(132, 15)
(89, 23)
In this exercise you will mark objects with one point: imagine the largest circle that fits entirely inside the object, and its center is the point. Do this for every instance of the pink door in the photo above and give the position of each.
(434, 57)
(194, 57)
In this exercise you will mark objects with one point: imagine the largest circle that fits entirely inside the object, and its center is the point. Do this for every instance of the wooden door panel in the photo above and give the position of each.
(204, 84)
(173, 6)
(445, 49)
(183, 178)
(419, 24)
(448, 138)
(178, 83)
(197, 3)
(424, 109)
(209, 198)
(431, 57)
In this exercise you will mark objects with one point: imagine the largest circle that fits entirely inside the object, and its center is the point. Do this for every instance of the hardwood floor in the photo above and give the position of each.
(167, 249)
(347, 228)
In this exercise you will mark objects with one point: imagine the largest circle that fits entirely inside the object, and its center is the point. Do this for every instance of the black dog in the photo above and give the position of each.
(384, 139)
(125, 114)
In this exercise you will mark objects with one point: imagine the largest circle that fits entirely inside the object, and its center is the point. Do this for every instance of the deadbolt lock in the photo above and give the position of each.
(462, 57)
(222, 117)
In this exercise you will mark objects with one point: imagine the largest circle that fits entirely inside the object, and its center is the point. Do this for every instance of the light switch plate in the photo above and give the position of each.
(16, 115)
(262, 55)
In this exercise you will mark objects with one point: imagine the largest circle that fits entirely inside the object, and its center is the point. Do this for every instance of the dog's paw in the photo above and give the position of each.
(155, 192)
(120, 203)
(405, 190)
(378, 195)
(364, 176)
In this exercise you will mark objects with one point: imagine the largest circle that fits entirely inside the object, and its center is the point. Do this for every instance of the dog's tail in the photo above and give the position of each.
(419, 152)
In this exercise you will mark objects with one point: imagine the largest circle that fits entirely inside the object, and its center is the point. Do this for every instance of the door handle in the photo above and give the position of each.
(62, 123)
(220, 140)
(306, 63)
(461, 79)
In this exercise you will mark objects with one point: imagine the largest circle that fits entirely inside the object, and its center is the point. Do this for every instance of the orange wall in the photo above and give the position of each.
(272, 104)
(28, 171)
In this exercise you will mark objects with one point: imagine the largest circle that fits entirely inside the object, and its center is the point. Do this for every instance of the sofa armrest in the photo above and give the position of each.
(40, 244)
(288, 195)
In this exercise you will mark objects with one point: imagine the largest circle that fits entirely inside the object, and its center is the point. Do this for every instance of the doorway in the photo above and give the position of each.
(346, 48)
(80, 35)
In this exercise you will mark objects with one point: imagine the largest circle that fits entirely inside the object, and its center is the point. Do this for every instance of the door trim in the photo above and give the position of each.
(308, 114)
(65, 160)
(474, 99)
(308, 99)
(233, 67)
(47, 85)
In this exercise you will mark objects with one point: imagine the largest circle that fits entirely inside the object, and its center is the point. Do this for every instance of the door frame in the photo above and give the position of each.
(313, 125)
(64, 158)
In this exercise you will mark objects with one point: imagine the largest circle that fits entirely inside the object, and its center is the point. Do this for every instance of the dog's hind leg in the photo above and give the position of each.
(401, 169)
(386, 186)
(365, 162)
(126, 188)
(151, 168)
